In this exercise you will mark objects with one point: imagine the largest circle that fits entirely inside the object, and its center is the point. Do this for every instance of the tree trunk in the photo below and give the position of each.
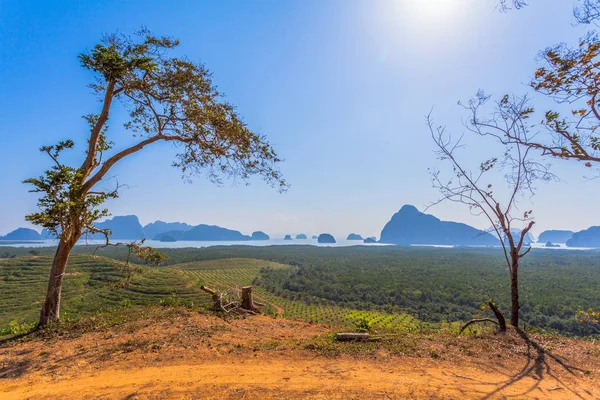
(51, 310)
(514, 288)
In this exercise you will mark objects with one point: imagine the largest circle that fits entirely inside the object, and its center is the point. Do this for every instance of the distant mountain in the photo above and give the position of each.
(315, 237)
(301, 236)
(410, 226)
(587, 238)
(125, 227)
(213, 233)
(555, 236)
(516, 233)
(354, 236)
(287, 237)
(258, 235)
(177, 235)
(370, 240)
(326, 238)
(22, 234)
(167, 238)
(46, 234)
(156, 228)
(129, 228)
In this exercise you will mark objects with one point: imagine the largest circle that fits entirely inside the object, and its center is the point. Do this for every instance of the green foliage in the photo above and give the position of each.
(570, 76)
(393, 288)
(363, 325)
(63, 206)
(14, 328)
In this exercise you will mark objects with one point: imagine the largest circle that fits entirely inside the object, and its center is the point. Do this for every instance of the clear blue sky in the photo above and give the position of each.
(340, 87)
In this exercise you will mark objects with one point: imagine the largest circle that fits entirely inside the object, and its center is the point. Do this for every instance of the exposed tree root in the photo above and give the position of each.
(501, 320)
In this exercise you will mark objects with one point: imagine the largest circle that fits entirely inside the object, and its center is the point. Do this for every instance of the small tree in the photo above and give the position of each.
(474, 188)
(168, 99)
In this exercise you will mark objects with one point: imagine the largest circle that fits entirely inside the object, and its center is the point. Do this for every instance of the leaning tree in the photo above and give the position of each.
(167, 99)
(474, 187)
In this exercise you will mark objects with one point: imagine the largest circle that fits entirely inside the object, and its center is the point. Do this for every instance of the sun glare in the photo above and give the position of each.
(427, 11)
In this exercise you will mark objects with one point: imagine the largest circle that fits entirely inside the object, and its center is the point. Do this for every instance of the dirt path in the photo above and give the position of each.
(300, 378)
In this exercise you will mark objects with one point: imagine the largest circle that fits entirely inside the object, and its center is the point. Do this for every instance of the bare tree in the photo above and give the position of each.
(169, 100)
(474, 188)
(588, 12)
(585, 12)
(506, 5)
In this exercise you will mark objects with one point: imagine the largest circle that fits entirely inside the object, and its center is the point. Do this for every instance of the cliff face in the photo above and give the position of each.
(326, 238)
(555, 236)
(354, 236)
(213, 233)
(587, 238)
(159, 227)
(410, 226)
(126, 227)
(259, 235)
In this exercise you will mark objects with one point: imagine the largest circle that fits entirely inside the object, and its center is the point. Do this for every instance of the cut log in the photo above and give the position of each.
(208, 290)
(345, 337)
(216, 296)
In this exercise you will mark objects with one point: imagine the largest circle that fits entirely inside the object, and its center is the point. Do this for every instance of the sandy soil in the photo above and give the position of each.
(187, 355)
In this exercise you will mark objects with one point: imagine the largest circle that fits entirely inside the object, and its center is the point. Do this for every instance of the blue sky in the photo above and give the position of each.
(340, 87)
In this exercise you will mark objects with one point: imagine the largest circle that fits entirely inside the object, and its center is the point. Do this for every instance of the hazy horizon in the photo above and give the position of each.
(340, 88)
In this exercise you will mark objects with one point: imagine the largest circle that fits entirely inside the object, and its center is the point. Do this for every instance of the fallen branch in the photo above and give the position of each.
(501, 321)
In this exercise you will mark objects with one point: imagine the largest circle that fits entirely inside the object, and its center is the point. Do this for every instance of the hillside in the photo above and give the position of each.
(390, 286)
(170, 352)
(97, 284)
(155, 338)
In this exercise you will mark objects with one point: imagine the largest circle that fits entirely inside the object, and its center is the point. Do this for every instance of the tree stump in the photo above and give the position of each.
(247, 299)
(229, 303)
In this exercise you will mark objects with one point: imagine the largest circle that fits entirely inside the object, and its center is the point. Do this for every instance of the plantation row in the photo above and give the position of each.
(438, 287)
(234, 275)
(91, 284)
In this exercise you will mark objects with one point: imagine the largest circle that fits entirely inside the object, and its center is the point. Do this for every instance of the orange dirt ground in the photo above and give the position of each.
(158, 354)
